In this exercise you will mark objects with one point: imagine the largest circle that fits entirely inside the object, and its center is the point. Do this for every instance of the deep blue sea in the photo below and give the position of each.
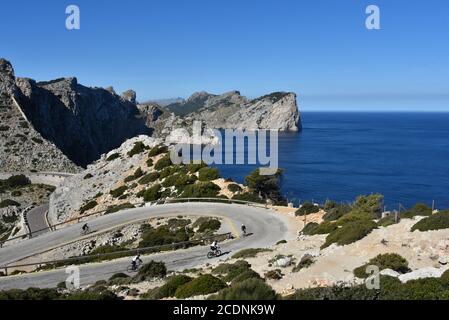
(404, 156)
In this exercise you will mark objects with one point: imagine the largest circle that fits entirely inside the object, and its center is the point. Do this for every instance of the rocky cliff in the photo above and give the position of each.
(22, 147)
(278, 111)
(82, 122)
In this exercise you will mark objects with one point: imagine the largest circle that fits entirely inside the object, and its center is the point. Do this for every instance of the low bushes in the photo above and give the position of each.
(350, 232)
(150, 177)
(118, 192)
(152, 194)
(250, 289)
(162, 235)
(157, 150)
(306, 261)
(233, 187)
(208, 174)
(168, 289)
(9, 203)
(136, 175)
(249, 253)
(437, 221)
(88, 206)
(336, 212)
(229, 272)
(419, 209)
(201, 190)
(88, 176)
(211, 224)
(307, 208)
(274, 274)
(138, 148)
(384, 261)
(151, 270)
(112, 209)
(325, 227)
(164, 162)
(204, 284)
(391, 289)
(113, 157)
(248, 196)
(386, 221)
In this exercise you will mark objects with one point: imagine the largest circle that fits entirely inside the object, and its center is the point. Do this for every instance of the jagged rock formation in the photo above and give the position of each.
(277, 111)
(22, 148)
(83, 122)
(130, 95)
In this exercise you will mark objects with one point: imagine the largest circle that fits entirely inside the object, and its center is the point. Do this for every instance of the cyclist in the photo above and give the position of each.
(214, 246)
(244, 229)
(134, 261)
(85, 228)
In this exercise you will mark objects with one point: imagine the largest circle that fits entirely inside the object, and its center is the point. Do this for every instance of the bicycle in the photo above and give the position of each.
(134, 267)
(85, 231)
(214, 254)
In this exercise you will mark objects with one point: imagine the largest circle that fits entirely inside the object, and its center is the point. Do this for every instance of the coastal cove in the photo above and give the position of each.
(404, 156)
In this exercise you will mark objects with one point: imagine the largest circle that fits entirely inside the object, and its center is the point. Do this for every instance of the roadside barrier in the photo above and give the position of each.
(118, 254)
(54, 227)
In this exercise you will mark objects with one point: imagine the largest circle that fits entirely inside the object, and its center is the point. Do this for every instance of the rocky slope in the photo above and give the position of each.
(83, 122)
(22, 147)
(139, 170)
(278, 111)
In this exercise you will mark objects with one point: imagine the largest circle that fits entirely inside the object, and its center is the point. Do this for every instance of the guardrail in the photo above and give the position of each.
(122, 254)
(54, 227)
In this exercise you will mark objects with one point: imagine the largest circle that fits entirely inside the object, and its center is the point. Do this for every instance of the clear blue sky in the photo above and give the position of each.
(165, 48)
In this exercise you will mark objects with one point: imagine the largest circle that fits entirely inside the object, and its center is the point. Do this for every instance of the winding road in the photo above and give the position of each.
(266, 226)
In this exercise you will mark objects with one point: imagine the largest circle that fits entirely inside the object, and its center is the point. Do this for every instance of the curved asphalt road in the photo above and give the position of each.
(267, 228)
(37, 220)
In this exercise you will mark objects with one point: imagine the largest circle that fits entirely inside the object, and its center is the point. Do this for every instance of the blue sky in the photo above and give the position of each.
(166, 48)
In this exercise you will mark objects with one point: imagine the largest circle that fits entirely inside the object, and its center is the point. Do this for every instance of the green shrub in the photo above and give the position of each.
(325, 227)
(281, 242)
(269, 186)
(30, 294)
(336, 212)
(229, 272)
(9, 203)
(386, 221)
(195, 167)
(201, 190)
(37, 140)
(211, 224)
(152, 194)
(249, 253)
(164, 162)
(384, 261)
(136, 175)
(88, 206)
(150, 177)
(250, 289)
(151, 270)
(419, 209)
(437, 221)
(150, 162)
(120, 275)
(88, 176)
(204, 284)
(162, 235)
(371, 204)
(113, 157)
(16, 181)
(16, 193)
(120, 207)
(118, 192)
(307, 208)
(350, 232)
(233, 187)
(138, 148)
(168, 289)
(157, 150)
(4, 128)
(208, 174)
(248, 196)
